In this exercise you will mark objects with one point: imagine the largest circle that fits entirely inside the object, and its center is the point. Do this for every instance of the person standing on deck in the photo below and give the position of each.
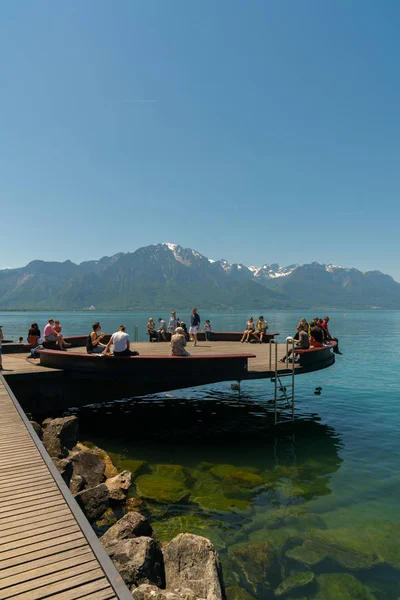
(194, 326)
(328, 335)
(121, 343)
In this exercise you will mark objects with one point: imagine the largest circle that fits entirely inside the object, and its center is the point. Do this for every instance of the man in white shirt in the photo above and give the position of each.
(120, 341)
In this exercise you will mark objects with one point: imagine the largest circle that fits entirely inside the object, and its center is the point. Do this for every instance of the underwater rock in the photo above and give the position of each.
(89, 466)
(119, 485)
(191, 562)
(296, 579)
(133, 504)
(176, 472)
(235, 592)
(131, 525)
(107, 520)
(220, 471)
(161, 489)
(257, 562)
(241, 484)
(341, 545)
(287, 472)
(151, 592)
(166, 530)
(219, 503)
(138, 560)
(341, 586)
(94, 501)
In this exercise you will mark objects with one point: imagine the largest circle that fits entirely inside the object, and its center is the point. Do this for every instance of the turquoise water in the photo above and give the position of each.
(316, 504)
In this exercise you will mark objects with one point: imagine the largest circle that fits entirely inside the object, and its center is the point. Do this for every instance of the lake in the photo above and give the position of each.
(310, 511)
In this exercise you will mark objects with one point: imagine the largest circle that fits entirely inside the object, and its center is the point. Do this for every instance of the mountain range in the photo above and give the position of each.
(165, 276)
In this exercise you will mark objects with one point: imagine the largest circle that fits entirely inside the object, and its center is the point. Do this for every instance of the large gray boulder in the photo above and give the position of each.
(151, 592)
(60, 435)
(88, 466)
(119, 485)
(138, 560)
(94, 501)
(132, 525)
(64, 467)
(191, 562)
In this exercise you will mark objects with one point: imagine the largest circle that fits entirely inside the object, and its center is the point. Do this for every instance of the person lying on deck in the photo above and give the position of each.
(120, 341)
(303, 341)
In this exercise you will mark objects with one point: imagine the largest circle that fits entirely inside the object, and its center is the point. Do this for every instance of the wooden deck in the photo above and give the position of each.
(20, 364)
(47, 547)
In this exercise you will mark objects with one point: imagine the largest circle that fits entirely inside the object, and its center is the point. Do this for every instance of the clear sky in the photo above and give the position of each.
(249, 130)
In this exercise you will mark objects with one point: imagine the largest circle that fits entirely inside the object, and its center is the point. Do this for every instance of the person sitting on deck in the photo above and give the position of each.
(261, 329)
(248, 331)
(305, 326)
(162, 330)
(303, 342)
(120, 341)
(182, 325)
(316, 337)
(178, 343)
(57, 329)
(151, 330)
(328, 335)
(93, 342)
(173, 323)
(33, 335)
(51, 337)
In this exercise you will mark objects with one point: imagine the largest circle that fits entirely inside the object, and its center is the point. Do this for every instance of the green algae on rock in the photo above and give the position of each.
(235, 592)
(341, 586)
(241, 484)
(344, 546)
(107, 519)
(161, 489)
(175, 472)
(296, 579)
(257, 564)
(168, 529)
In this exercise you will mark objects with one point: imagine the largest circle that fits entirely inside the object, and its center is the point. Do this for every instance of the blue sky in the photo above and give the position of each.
(254, 131)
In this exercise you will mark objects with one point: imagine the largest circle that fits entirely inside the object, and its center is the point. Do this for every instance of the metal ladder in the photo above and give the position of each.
(284, 401)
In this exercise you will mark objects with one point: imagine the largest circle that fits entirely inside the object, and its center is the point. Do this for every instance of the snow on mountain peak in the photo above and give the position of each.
(331, 268)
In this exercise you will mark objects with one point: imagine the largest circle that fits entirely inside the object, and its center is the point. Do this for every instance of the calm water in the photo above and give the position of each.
(317, 504)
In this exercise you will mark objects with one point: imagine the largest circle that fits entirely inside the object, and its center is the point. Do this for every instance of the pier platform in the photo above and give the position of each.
(47, 547)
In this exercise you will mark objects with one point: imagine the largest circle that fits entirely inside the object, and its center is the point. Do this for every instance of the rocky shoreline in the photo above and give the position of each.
(186, 568)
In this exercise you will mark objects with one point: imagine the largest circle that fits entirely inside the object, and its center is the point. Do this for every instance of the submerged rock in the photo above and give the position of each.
(119, 485)
(296, 579)
(138, 560)
(94, 501)
(151, 592)
(241, 484)
(257, 564)
(175, 472)
(191, 562)
(131, 525)
(236, 592)
(341, 586)
(161, 489)
(166, 530)
(341, 545)
(107, 520)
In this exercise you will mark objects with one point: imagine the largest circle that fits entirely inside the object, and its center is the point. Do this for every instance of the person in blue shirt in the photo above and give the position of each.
(194, 326)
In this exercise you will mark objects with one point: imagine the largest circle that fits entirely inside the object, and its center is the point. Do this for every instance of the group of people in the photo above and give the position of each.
(256, 331)
(158, 333)
(315, 334)
(52, 335)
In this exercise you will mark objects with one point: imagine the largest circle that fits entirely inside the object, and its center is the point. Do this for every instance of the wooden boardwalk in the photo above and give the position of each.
(47, 547)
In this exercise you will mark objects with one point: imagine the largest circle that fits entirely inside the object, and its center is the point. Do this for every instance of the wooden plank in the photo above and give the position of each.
(95, 590)
(35, 517)
(47, 549)
(43, 561)
(43, 572)
(41, 490)
(21, 502)
(56, 500)
(16, 476)
(26, 533)
(88, 570)
(27, 483)
(41, 537)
